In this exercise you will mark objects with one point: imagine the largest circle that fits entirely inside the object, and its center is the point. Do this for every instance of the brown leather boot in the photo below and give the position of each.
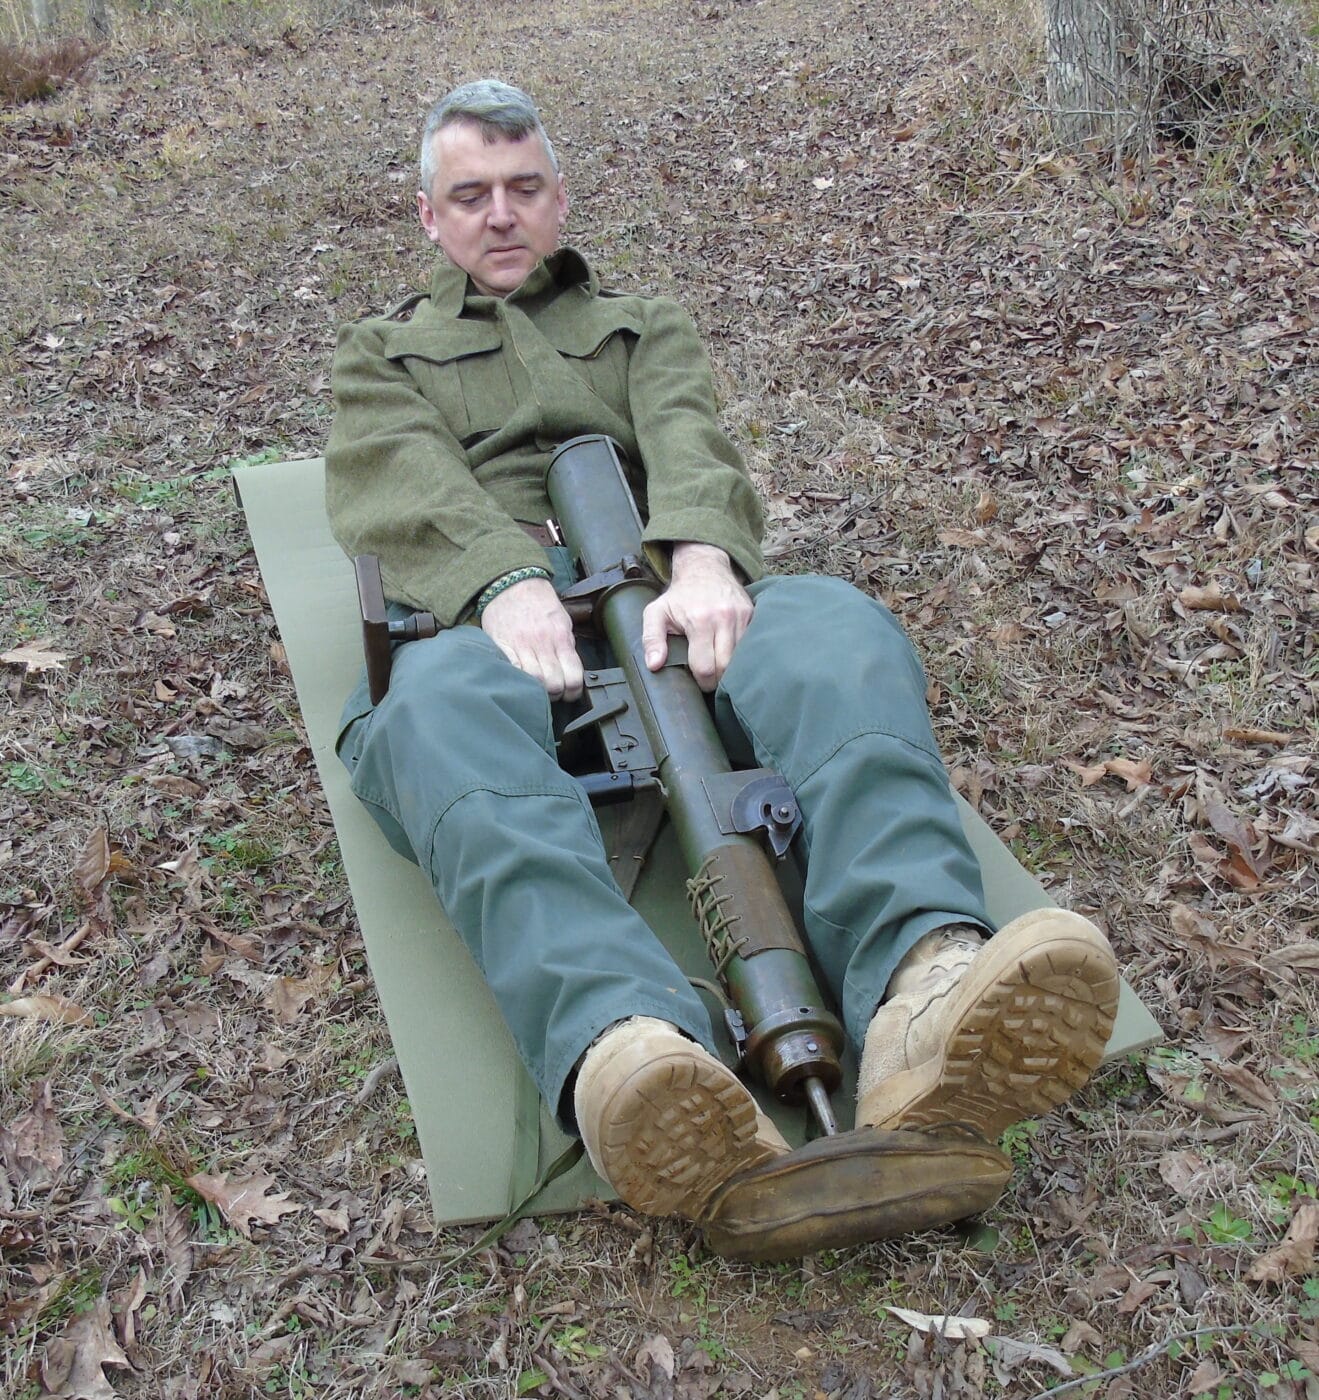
(664, 1122)
(869, 1184)
(985, 1034)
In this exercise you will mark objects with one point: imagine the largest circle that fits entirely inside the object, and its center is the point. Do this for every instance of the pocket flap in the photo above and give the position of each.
(441, 345)
(584, 336)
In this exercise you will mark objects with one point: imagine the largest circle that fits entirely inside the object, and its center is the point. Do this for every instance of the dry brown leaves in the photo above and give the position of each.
(74, 1364)
(244, 1200)
(1058, 417)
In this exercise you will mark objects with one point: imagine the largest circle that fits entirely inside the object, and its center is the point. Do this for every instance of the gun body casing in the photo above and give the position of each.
(793, 1041)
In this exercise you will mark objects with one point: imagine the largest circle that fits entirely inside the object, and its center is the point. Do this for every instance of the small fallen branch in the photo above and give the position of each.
(1149, 1354)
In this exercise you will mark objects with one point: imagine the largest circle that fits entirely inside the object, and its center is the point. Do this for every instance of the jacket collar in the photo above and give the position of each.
(452, 291)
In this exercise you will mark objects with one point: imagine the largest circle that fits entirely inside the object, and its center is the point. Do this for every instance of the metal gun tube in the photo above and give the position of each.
(793, 1042)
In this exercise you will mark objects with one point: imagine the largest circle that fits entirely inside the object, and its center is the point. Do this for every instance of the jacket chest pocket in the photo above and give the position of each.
(462, 372)
(474, 394)
(604, 368)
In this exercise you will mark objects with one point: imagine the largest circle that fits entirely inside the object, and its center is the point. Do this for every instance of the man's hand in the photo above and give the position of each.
(706, 604)
(531, 627)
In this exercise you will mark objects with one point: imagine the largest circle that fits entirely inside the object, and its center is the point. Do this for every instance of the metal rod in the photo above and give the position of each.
(818, 1098)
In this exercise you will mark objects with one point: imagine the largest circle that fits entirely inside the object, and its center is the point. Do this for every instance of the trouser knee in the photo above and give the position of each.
(458, 718)
(822, 659)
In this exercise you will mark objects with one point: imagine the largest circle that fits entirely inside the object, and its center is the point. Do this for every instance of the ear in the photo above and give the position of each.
(426, 213)
(561, 199)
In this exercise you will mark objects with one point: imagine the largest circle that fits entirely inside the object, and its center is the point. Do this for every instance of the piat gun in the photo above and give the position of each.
(657, 733)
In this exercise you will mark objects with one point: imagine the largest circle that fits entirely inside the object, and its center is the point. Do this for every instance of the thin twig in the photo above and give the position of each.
(372, 1082)
(1147, 1355)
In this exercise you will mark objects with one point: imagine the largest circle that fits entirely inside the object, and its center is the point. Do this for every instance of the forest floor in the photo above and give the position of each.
(1062, 417)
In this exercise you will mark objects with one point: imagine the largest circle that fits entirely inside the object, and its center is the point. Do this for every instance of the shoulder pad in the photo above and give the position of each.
(403, 311)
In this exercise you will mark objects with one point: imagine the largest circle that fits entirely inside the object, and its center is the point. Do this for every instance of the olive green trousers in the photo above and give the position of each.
(457, 764)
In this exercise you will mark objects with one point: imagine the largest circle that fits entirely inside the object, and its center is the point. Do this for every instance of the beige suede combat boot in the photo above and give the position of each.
(664, 1122)
(984, 1033)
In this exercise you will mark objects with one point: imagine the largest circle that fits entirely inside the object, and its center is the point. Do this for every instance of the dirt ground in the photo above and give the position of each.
(1060, 416)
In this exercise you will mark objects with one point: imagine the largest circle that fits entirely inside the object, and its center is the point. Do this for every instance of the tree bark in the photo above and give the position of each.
(1097, 51)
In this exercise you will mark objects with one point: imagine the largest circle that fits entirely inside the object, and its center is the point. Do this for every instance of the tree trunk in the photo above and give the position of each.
(1098, 61)
(98, 18)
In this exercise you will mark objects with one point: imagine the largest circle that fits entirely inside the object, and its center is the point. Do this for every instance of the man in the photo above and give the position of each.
(448, 411)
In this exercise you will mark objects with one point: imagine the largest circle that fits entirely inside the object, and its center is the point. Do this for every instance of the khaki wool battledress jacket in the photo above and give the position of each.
(445, 424)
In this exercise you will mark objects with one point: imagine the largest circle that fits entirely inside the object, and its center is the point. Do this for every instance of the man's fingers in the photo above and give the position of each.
(528, 624)
(573, 676)
(655, 633)
(701, 663)
(725, 639)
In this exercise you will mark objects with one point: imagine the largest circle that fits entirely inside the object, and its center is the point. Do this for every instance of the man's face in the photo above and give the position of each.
(495, 208)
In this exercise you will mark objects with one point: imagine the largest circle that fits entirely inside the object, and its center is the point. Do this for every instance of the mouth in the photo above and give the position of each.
(505, 248)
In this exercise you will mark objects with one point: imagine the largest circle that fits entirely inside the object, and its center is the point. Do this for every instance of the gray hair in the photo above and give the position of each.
(500, 111)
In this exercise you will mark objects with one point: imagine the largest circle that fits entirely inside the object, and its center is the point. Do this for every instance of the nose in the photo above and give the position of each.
(500, 213)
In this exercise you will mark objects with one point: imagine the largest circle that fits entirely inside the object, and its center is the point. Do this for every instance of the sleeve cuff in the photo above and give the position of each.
(452, 595)
(702, 527)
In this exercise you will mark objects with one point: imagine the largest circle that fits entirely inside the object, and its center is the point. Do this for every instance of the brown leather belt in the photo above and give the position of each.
(545, 535)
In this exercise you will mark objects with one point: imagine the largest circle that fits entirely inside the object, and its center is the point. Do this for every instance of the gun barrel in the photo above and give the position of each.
(793, 1041)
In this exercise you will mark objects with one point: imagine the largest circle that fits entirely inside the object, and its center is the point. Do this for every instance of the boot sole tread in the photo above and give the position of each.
(677, 1130)
(1034, 1028)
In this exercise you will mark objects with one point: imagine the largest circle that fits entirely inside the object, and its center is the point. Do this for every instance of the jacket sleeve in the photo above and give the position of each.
(398, 485)
(697, 485)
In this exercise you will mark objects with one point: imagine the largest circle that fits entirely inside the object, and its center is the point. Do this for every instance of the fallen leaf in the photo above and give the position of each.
(171, 1231)
(1135, 773)
(1299, 957)
(1208, 599)
(93, 865)
(287, 996)
(244, 1199)
(1185, 1172)
(1013, 1352)
(1295, 1255)
(35, 656)
(58, 955)
(962, 539)
(46, 1006)
(655, 1354)
(240, 943)
(72, 1365)
(127, 1303)
(1141, 1290)
(1234, 831)
(1247, 1086)
(1259, 736)
(32, 1146)
(956, 1329)
(1204, 1378)
(1080, 1334)
(336, 1220)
